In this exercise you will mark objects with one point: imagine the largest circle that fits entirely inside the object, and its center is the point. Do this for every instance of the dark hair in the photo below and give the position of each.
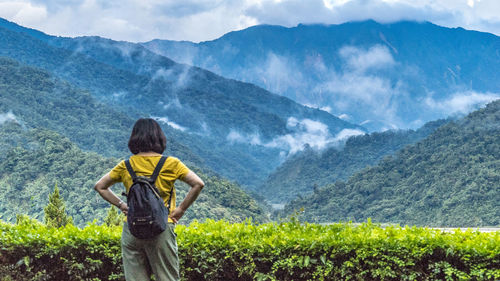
(147, 135)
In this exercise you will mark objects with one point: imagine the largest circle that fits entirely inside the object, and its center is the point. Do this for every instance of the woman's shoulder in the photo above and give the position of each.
(172, 160)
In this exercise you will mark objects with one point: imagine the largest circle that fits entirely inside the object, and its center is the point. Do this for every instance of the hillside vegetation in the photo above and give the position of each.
(403, 73)
(37, 99)
(451, 178)
(309, 169)
(204, 108)
(31, 167)
(220, 251)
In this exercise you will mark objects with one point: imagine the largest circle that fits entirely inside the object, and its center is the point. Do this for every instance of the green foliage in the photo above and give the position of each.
(218, 250)
(30, 171)
(130, 81)
(450, 178)
(221, 199)
(33, 251)
(26, 186)
(307, 169)
(55, 211)
(114, 217)
(40, 100)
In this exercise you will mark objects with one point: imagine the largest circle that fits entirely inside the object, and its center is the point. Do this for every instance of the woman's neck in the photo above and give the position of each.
(149, 153)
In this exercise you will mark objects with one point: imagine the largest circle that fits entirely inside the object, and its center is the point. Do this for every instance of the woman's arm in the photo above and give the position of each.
(102, 186)
(196, 185)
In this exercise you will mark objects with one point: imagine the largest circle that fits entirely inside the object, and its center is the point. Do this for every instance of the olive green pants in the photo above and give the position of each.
(143, 257)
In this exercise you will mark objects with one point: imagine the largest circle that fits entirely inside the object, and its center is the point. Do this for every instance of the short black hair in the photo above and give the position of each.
(146, 136)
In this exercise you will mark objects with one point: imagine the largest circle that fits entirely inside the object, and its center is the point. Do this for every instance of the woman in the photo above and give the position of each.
(158, 255)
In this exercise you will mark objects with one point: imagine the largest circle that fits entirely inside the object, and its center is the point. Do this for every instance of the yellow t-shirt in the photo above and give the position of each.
(172, 170)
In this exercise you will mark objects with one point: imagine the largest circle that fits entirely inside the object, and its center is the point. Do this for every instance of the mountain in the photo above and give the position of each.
(309, 169)
(383, 76)
(450, 178)
(35, 106)
(36, 99)
(238, 129)
(31, 169)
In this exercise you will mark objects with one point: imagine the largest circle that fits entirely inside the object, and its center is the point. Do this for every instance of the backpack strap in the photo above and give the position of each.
(158, 168)
(130, 170)
(170, 199)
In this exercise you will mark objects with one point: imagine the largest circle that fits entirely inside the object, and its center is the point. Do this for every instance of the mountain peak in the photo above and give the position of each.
(17, 28)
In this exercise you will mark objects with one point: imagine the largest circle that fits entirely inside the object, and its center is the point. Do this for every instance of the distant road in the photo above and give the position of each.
(452, 229)
(445, 229)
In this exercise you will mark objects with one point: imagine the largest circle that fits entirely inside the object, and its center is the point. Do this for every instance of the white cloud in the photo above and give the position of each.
(172, 103)
(199, 20)
(309, 132)
(119, 95)
(5, 117)
(327, 109)
(359, 60)
(305, 131)
(23, 12)
(237, 137)
(358, 89)
(174, 125)
(277, 73)
(347, 133)
(344, 116)
(464, 102)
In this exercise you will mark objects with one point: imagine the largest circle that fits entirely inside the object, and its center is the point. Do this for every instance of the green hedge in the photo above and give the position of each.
(246, 251)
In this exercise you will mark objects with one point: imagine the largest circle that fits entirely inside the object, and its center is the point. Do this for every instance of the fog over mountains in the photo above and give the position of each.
(382, 76)
(284, 132)
(238, 129)
(451, 177)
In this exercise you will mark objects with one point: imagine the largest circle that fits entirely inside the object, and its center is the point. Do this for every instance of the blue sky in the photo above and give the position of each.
(201, 20)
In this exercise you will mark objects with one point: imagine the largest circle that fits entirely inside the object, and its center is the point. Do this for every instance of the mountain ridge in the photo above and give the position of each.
(414, 70)
(197, 103)
(308, 170)
(450, 178)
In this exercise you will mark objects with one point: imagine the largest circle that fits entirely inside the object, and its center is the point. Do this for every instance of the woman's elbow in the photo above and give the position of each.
(104, 183)
(98, 187)
(201, 184)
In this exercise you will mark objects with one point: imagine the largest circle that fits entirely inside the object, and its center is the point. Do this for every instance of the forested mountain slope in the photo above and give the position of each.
(399, 74)
(309, 169)
(225, 122)
(37, 99)
(39, 159)
(451, 178)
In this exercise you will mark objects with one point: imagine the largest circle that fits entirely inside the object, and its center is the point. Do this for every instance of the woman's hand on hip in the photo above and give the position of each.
(176, 215)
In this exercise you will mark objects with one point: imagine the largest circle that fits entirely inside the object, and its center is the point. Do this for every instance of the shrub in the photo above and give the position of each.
(219, 250)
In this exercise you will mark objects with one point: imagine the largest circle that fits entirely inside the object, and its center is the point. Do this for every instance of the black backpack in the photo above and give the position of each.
(147, 215)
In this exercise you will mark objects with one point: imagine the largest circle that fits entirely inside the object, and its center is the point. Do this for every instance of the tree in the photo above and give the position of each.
(113, 217)
(55, 211)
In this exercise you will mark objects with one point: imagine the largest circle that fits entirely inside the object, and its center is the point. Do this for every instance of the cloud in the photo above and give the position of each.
(173, 103)
(449, 13)
(327, 109)
(463, 102)
(306, 131)
(237, 137)
(344, 116)
(23, 12)
(199, 20)
(347, 133)
(9, 116)
(179, 9)
(277, 73)
(165, 120)
(358, 91)
(359, 60)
